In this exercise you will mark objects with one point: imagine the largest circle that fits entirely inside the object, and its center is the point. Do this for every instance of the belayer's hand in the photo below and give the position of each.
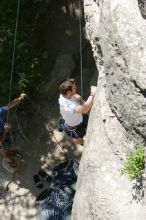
(22, 96)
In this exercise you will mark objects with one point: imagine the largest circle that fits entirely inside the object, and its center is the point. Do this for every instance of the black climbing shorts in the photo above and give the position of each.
(78, 131)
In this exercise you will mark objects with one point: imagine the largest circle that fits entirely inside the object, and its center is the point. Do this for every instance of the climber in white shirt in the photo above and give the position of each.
(73, 110)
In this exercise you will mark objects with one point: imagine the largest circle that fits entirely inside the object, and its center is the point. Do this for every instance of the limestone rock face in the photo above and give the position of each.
(117, 33)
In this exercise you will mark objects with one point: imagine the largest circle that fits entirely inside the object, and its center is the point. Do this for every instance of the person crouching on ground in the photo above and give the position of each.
(73, 110)
(4, 127)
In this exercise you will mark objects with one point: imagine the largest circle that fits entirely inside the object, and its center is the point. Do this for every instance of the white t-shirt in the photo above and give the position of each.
(67, 110)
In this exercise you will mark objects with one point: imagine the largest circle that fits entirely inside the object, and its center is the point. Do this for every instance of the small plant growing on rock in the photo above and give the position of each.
(135, 163)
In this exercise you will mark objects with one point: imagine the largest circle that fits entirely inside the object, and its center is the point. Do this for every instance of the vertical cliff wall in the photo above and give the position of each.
(117, 33)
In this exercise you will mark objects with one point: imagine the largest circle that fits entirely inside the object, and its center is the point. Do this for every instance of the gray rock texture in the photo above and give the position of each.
(117, 33)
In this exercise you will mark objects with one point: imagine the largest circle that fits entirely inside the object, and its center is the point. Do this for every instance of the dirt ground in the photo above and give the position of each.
(40, 149)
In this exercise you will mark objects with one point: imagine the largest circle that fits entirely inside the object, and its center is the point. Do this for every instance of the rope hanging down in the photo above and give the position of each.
(80, 33)
(13, 55)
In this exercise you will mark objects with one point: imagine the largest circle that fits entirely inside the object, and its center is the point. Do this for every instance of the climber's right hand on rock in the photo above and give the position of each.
(93, 90)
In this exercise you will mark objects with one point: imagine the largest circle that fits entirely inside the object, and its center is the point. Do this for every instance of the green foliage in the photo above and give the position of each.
(26, 74)
(135, 163)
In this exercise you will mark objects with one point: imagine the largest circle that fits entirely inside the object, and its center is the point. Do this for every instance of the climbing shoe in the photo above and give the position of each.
(61, 124)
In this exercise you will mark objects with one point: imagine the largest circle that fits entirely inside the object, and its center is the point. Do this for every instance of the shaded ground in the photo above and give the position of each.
(39, 150)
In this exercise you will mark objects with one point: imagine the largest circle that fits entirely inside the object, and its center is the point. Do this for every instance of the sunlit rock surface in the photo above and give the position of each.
(117, 33)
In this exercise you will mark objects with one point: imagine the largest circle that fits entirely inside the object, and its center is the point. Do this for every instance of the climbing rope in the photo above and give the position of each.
(80, 38)
(13, 55)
